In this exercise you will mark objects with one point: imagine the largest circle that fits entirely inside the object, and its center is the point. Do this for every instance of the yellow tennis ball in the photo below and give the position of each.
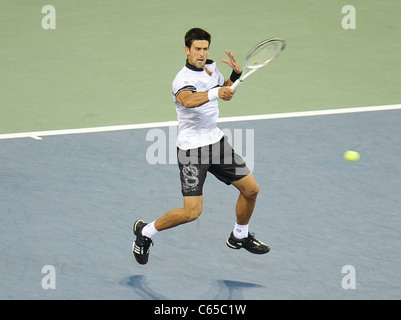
(351, 155)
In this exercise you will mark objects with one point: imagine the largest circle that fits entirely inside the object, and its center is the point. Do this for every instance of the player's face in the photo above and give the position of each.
(198, 53)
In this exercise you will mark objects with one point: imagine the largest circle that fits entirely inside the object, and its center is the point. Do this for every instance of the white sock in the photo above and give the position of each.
(241, 231)
(149, 230)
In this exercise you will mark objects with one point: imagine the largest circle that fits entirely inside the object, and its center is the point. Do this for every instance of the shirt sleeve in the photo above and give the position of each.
(180, 85)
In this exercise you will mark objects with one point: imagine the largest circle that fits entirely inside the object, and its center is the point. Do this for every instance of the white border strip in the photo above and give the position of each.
(38, 134)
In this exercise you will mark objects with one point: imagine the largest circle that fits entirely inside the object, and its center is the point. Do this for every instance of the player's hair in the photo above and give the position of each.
(196, 34)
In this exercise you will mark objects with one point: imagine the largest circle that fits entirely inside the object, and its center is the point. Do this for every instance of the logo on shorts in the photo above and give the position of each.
(190, 175)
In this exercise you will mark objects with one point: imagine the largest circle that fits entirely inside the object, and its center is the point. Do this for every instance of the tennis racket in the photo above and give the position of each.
(260, 56)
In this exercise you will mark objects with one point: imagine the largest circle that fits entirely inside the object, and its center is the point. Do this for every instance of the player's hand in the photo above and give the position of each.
(226, 93)
(232, 62)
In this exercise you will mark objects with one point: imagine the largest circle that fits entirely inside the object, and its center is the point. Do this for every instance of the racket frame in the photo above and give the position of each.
(248, 70)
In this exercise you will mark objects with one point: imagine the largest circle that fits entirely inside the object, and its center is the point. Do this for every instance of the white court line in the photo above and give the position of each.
(38, 134)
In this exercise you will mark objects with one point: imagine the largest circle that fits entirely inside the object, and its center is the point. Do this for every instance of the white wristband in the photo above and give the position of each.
(213, 94)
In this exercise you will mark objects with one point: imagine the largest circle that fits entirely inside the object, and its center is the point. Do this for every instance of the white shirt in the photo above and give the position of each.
(197, 127)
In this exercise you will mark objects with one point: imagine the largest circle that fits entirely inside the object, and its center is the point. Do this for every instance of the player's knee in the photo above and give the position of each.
(252, 191)
(193, 213)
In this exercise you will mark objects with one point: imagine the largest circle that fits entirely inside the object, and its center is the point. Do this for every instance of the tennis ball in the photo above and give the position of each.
(351, 155)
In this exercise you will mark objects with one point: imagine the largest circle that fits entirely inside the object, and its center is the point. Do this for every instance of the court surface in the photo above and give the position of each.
(83, 105)
(69, 201)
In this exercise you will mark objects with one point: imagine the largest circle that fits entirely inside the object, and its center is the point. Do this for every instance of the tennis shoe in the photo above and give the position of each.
(249, 243)
(140, 246)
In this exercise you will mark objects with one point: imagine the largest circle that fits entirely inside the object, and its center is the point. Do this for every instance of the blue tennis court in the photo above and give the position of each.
(69, 201)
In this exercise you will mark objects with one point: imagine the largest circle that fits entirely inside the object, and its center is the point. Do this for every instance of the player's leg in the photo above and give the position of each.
(192, 176)
(230, 168)
(145, 232)
(190, 211)
(240, 237)
(249, 189)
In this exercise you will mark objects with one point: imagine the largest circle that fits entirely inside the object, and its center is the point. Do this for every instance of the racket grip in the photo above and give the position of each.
(235, 85)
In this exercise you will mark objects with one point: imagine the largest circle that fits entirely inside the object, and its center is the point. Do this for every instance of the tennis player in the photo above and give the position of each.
(202, 147)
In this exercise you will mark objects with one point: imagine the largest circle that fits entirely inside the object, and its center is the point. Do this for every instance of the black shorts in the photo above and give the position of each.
(219, 159)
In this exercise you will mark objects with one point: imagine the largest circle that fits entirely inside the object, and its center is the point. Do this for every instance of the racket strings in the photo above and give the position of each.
(263, 54)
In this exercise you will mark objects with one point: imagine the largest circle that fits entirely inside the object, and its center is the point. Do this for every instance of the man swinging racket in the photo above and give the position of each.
(202, 147)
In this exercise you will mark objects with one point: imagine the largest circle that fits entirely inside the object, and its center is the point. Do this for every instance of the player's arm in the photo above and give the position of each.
(234, 76)
(191, 99)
